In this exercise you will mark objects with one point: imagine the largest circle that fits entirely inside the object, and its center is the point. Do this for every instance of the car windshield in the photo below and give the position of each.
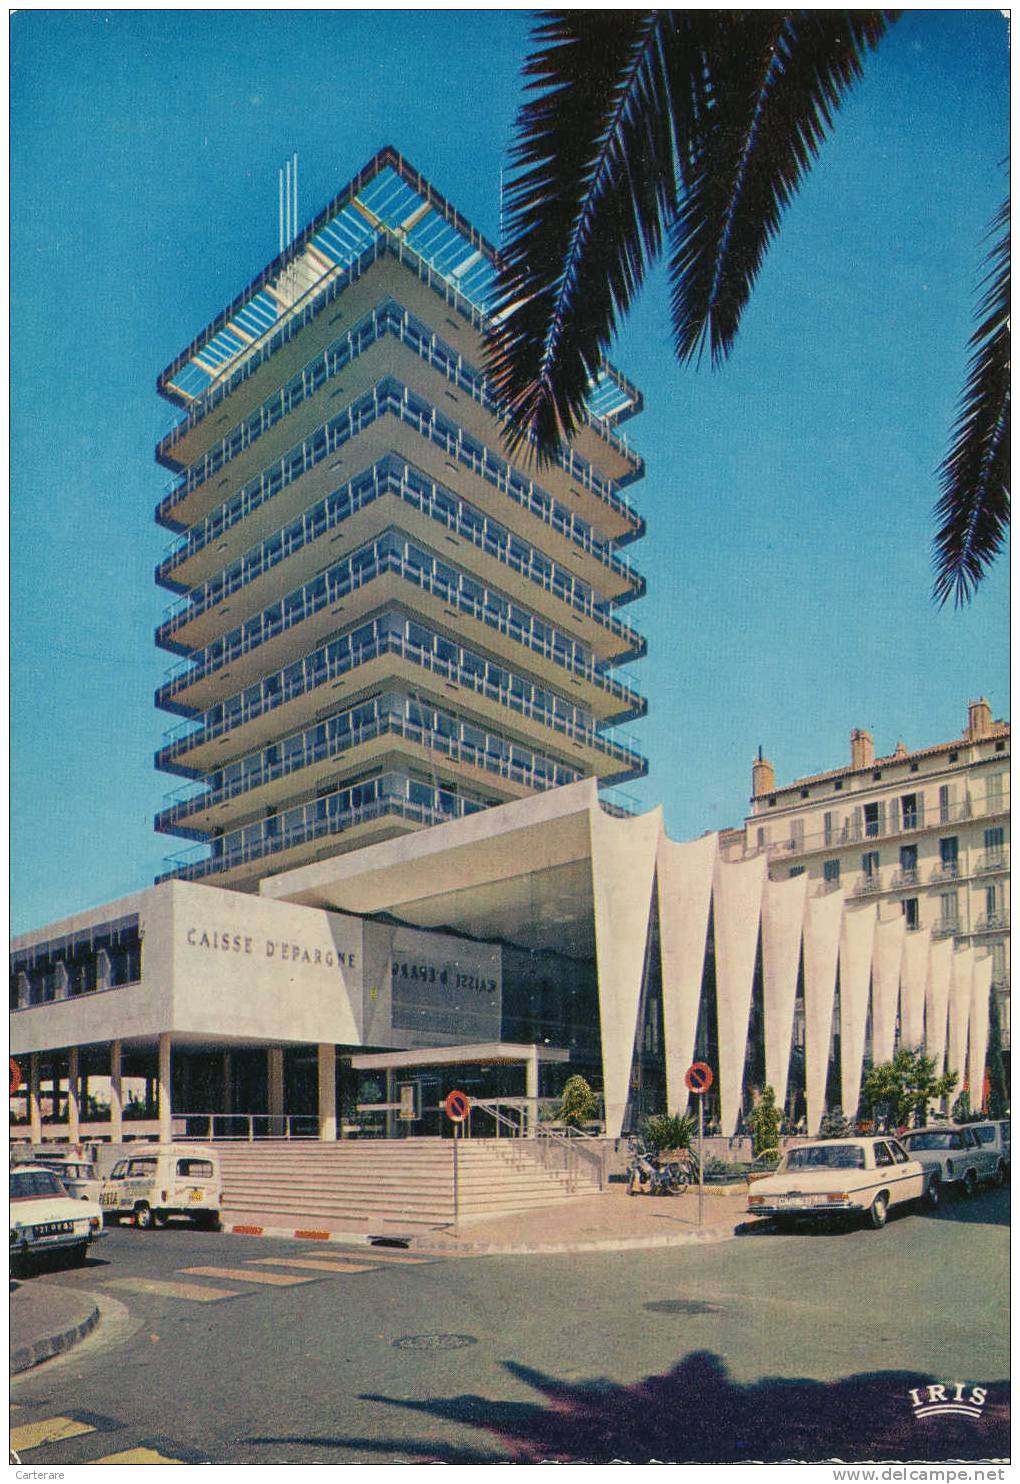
(986, 1134)
(933, 1139)
(141, 1168)
(826, 1157)
(71, 1172)
(25, 1183)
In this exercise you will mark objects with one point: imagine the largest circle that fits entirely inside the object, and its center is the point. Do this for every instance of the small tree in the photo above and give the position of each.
(764, 1120)
(835, 1126)
(578, 1103)
(901, 1090)
(669, 1131)
(961, 1110)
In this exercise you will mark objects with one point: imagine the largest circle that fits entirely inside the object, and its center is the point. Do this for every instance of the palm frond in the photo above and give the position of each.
(594, 187)
(973, 511)
(776, 79)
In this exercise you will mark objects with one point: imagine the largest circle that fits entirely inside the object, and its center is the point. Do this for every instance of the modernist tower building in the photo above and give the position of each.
(384, 621)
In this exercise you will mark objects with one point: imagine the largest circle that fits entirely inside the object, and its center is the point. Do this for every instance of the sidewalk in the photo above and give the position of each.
(607, 1222)
(46, 1320)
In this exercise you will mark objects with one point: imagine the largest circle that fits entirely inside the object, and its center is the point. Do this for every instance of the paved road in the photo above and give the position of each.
(229, 1349)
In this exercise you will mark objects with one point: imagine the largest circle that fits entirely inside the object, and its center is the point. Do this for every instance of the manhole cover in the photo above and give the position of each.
(434, 1342)
(682, 1306)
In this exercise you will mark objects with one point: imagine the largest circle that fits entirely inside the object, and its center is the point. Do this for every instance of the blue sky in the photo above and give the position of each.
(788, 496)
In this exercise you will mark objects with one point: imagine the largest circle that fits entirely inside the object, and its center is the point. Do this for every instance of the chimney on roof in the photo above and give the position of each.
(901, 749)
(763, 776)
(979, 719)
(862, 748)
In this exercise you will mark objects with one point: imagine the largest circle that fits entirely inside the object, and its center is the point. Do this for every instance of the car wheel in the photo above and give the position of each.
(208, 1221)
(970, 1184)
(933, 1195)
(78, 1254)
(879, 1210)
(144, 1219)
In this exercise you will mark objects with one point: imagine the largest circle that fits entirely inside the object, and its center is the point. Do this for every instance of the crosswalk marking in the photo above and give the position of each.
(318, 1265)
(248, 1276)
(137, 1455)
(203, 1293)
(374, 1255)
(52, 1430)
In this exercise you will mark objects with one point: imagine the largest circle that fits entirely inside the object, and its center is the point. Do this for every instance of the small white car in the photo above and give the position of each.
(77, 1175)
(44, 1218)
(954, 1156)
(164, 1180)
(839, 1177)
(995, 1135)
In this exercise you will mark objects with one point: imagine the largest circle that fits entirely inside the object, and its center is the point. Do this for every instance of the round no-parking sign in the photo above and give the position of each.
(699, 1077)
(457, 1105)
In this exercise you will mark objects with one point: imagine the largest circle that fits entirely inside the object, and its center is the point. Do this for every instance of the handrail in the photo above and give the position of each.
(276, 1121)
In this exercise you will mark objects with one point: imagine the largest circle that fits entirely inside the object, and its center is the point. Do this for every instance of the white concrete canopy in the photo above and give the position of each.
(936, 1004)
(913, 988)
(684, 875)
(856, 943)
(623, 870)
(821, 953)
(782, 926)
(960, 990)
(979, 1015)
(885, 985)
(737, 893)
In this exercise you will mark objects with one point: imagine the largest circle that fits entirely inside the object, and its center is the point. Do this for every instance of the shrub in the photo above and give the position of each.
(578, 1103)
(835, 1126)
(669, 1131)
(764, 1121)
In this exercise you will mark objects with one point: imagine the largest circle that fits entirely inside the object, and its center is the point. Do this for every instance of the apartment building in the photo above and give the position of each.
(383, 620)
(923, 834)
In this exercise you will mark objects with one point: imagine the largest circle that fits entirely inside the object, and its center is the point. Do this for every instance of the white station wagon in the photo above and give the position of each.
(864, 1177)
(955, 1156)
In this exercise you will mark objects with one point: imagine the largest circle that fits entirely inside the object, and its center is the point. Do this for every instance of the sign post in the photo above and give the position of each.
(457, 1106)
(699, 1079)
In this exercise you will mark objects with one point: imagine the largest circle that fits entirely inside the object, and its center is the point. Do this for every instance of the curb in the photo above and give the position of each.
(445, 1247)
(26, 1356)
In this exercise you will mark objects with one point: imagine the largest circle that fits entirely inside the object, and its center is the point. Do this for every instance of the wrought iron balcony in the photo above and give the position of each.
(992, 922)
(946, 927)
(945, 871)
(992, 860)
(868, 885)
(906, 877)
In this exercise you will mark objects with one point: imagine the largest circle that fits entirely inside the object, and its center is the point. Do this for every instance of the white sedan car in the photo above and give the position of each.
(863, 1177)
(44, 1218)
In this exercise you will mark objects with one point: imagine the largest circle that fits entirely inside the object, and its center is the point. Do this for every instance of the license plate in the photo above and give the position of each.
(54, 1228)
(108, 1200)
(198, 1195)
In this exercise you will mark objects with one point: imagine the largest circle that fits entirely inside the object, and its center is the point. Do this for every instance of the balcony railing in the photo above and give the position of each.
(388, 318)
(539, 776)
(945, 871)
(992, 860)
(946, 927)
(391, 396)
(323, 594)
(992, 922)
(853, 832)
(182, 739)
(868, 885)
(904, 878)
(318, 298)
(333, 512)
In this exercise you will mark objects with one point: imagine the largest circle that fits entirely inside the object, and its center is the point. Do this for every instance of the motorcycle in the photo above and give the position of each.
(647, 1175)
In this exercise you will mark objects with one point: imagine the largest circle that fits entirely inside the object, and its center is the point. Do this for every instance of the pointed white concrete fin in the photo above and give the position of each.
(936, 1001)
(960, 990)
(737, 894)
(856, 943)
(913, 988)
(979, 1017)
(821, 952)
(685, 894)
(623, 870)
(885, 986)
(782, 926)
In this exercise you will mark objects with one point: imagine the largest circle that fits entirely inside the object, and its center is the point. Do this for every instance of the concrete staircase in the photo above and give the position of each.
(380, 1185)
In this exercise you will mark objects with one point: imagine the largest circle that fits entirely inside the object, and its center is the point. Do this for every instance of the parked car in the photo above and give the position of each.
(954, 1156)
(995, 1135)
(839, 1177)
(44, 1218)
(77, 1175)
(164, 1180)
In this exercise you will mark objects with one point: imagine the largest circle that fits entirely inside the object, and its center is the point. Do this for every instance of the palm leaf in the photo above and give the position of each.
(973, 512)
(777, 78)
(594, 187)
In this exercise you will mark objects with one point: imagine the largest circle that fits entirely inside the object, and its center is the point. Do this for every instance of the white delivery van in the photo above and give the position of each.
(163, 1180)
